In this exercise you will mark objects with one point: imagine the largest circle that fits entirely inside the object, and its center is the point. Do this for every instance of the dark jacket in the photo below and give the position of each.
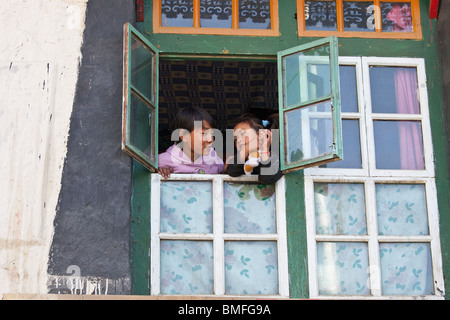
(237, 169)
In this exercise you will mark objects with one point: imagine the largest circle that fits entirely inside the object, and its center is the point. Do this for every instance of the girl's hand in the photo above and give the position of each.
(265, 138)
(165, 172)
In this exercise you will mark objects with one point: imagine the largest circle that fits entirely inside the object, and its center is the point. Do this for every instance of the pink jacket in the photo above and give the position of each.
(176, 159)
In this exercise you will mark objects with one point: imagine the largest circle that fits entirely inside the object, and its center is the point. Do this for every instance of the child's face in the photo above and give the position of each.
(246, 138)
(199, 140)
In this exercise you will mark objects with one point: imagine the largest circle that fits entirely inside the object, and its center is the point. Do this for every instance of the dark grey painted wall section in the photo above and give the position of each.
(444, 53)
(92, 224)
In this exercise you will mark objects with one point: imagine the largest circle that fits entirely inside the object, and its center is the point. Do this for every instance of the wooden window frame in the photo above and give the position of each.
(333, 98)
(369, 176)
(233, 31)
(415, 8)
(218, 237)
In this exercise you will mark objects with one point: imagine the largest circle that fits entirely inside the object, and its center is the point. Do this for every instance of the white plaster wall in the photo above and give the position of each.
(39, 59)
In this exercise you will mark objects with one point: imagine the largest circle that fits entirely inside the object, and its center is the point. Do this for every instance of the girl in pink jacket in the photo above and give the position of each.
(194, 153)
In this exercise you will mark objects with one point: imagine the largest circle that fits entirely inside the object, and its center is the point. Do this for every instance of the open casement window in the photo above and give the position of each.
(140, 99)
(309, 105)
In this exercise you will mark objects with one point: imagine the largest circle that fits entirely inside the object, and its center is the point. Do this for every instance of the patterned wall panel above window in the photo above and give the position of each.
(225, 17)
(363, 18)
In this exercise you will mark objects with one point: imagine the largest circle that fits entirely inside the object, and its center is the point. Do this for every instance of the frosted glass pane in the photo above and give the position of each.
(406, 269)
(343, 268)
(320, 15)
(254, 14)
(249, 208)
(251, 267)
(186, 207)
(187, 267)
(401, 209)
(340, 209)
(396, 17)
(216, 14)
(177, 13)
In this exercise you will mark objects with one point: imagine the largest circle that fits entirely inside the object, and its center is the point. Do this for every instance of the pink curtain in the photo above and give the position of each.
(411, 144)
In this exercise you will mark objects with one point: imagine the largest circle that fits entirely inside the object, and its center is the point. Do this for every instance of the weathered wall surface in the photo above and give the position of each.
(90, 253)
(39, 59)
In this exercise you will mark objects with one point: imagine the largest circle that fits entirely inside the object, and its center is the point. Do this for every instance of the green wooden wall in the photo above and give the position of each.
(229, 46)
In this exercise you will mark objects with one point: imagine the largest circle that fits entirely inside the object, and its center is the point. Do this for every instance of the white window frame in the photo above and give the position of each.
(218, 237)
(370, 176)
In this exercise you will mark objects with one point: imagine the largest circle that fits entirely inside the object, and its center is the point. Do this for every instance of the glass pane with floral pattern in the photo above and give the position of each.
(406, 269)
(251, 267)
(177, 13)
(359, 16)
(216, 14)
(402, 209)
(187, 267)
(186, 207)
(396, 17)
(340, 208)
(320, 15)
(249, 208)
(254, 14)
(343, 268)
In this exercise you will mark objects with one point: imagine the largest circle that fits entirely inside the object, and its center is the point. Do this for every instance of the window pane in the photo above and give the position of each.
(142, 122)
(216, 14)
(396, 17)
(359, 16)
(398, 145)
(308, 132)
(343, 268)
(304, 79)
(352, 147)
(401, 209)
(254, 14)
(349, 94)
(249, 208)
(320, 15)
(177, 13)
(142, 68)
(394, 90)
(406, 269)
(187, 267)
(340, 209)
(251, 267)
(306, 75)
(186, 207)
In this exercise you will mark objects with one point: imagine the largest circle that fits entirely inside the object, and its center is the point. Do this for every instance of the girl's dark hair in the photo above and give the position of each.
(256, 122)
(185, 118)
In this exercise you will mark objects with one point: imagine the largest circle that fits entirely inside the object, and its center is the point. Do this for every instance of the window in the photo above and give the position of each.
(372, 219)
(140, 99)
(309, 103)
(232, 243)
(228, 17)
(365, 18)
